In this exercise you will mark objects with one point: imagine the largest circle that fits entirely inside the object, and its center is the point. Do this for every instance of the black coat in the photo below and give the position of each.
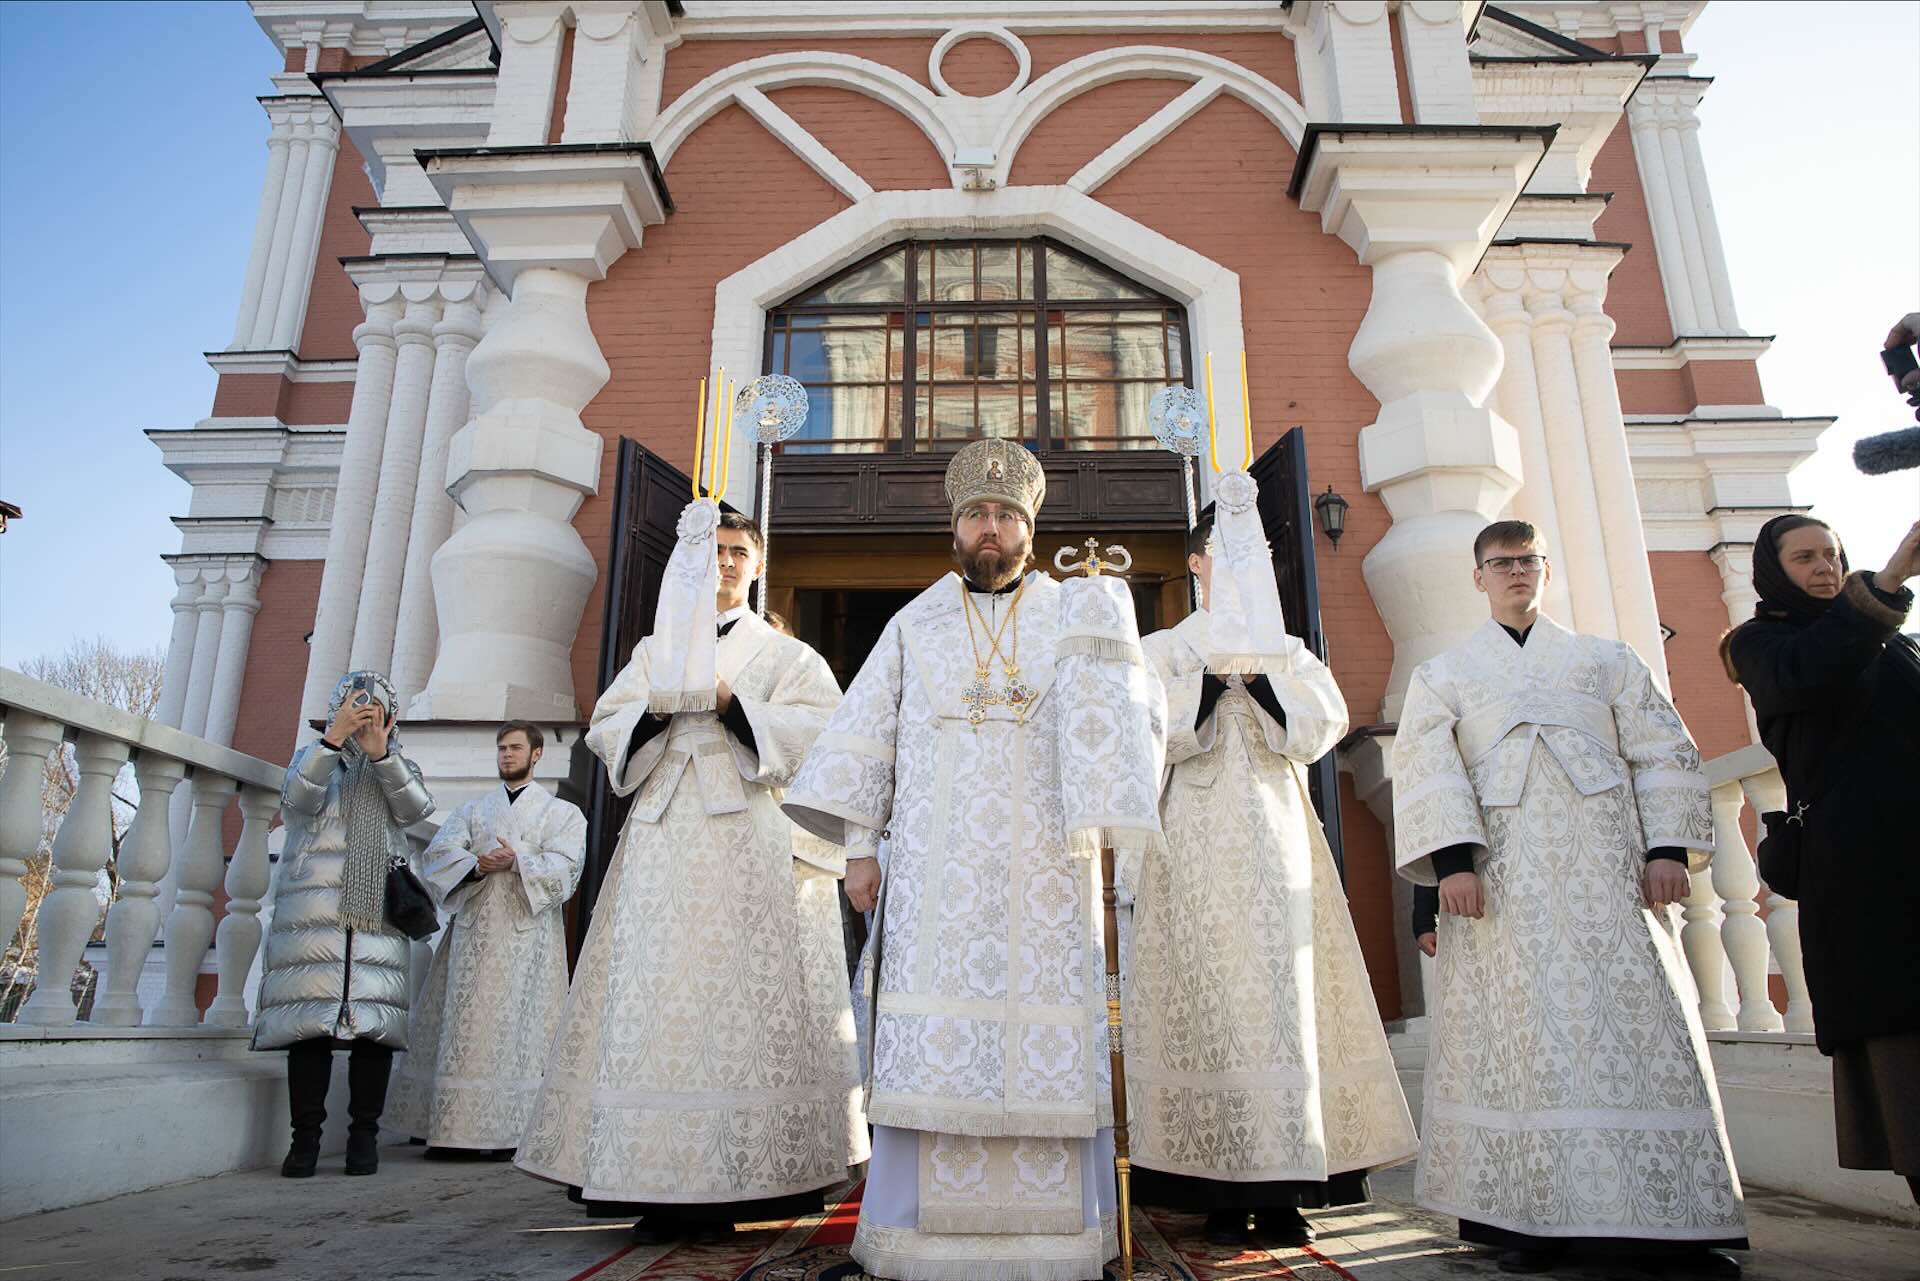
(1860, 869)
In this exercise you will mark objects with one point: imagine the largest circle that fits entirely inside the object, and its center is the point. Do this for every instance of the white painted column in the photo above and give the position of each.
(189, 928)
(1708, 223)
(1636, 608)
(1735, 563)
(1692, 252)
(510, 584)
(417, 632)
(248, 877)
(529, 73)
(1518, 394)
(1741, 932)
(134, 922)
(359, 480)
(1768, 793)
(1668, 251)
(323, 142)
(259, 335)
(237, 613)
(1582, 557)
(179, 668)
(1439, 79)
(271, 193)
(379, 605)
(30, 740)
(70, 911)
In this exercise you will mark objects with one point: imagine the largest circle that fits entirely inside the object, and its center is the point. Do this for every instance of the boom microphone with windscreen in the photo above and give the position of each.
(1888, 452)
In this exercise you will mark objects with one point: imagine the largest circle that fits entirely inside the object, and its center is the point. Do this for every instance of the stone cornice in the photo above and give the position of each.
(281, 364)
(1706, 482)
(1685, 350)
(765, 19)
(364, 28)
(1584, 98)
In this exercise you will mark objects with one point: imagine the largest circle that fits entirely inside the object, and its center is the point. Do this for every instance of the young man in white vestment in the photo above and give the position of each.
(960, 743)
(504, 866)
(1549, 788)
(1257, 1064)
(704, 1071)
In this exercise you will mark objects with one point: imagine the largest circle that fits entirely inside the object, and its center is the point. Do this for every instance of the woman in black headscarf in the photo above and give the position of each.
(1836, 690)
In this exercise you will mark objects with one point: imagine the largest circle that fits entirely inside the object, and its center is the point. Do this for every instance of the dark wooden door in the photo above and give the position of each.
(1286, 514)
(648, 497)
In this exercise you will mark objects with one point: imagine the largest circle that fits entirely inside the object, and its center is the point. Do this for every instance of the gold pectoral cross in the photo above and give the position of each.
(980, 695)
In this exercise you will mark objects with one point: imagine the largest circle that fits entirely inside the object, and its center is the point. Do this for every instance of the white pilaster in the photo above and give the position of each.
(1439, 79)
(1345, 52)
(399, 475)
(237, 610)
(316, 181)
(1583, 557)
(529, 73)
(259, 335)
(359, 479)
(272, 192)
(1735, 563)
(1635, 607)
(1421, 209)
(1668, 250)
(416, 631)
(616, 70)
(1692, 255)
(1707, 221)
(179, 668)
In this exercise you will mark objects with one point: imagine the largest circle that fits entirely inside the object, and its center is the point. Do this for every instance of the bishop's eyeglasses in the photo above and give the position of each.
(1530, 564)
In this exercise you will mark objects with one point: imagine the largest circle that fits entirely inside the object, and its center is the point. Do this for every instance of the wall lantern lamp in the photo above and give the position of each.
(1332, 511)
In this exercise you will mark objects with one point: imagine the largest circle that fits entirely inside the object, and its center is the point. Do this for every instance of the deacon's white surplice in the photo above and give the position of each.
(993, 1145)
(1568, 1088)
(492, 1000)
(1255, 1052)
(707, 1053)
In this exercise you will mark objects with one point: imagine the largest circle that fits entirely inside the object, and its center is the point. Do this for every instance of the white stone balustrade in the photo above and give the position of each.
(1722, 932)
(38, 718)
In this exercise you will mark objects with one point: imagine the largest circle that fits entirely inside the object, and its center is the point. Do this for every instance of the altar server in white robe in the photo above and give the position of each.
(1549, 787)
(503, 866)
(1257, 1065)
(970, 739)
(704, 1072)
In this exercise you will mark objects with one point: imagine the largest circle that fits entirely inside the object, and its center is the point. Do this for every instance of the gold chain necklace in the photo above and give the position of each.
(980, 695)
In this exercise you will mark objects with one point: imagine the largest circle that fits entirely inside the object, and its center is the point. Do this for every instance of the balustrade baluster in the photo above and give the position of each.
(1706, 957)
(1768, 793)
(134, 921)
(1741, 933)
(248, 876)
(70, 911)
(189, 930)
(29, 739)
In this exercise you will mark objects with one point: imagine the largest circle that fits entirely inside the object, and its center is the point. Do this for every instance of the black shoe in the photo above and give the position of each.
(363, 1149)
(1282, 1226)
(1531, 1260)
(303, 1156)
(465, 1154)
(1226, 1227)
(500, 1154)
(656, 1230)
(612, 1209)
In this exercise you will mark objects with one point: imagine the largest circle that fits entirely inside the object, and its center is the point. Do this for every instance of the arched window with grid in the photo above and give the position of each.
(927, 345)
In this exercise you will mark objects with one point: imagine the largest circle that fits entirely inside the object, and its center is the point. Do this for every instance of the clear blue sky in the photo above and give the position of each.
(130, 172)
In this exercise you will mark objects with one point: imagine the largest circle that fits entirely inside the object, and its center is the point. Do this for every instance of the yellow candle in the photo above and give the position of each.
(723, 445)
(713, 451)
(699, 435)
(1213, 445)
(1246, 410)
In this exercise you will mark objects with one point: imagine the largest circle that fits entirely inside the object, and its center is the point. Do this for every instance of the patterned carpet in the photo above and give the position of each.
(1167, 1247)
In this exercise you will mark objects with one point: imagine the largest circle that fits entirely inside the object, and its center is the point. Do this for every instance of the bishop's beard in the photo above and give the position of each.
(991, 567)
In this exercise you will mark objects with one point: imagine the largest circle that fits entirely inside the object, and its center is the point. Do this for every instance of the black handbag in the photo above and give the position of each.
(1785, 836)
(409, 907)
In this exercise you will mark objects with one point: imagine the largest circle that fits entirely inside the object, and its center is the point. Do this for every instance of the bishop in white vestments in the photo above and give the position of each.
(1549, 787)
(963, 743)
(1257, 1065)
(704, 1071)
(503, 866)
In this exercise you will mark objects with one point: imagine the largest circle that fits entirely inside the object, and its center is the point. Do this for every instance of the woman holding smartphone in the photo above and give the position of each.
(336, 969)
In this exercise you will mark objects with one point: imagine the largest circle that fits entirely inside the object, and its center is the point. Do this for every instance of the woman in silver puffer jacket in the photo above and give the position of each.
(335, 969)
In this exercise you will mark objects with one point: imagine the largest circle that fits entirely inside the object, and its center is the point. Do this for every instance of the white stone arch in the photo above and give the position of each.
(1209, 291)
(747, 83)
(1210, 76)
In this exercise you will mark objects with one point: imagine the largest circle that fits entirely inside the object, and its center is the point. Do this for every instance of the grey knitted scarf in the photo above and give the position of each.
(363, 878)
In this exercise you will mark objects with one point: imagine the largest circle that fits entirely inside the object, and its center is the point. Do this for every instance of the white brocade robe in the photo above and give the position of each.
(1255, 1051)
(480, 1030)
(707, 1051)
(988, 1089)
(1569, 1092)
